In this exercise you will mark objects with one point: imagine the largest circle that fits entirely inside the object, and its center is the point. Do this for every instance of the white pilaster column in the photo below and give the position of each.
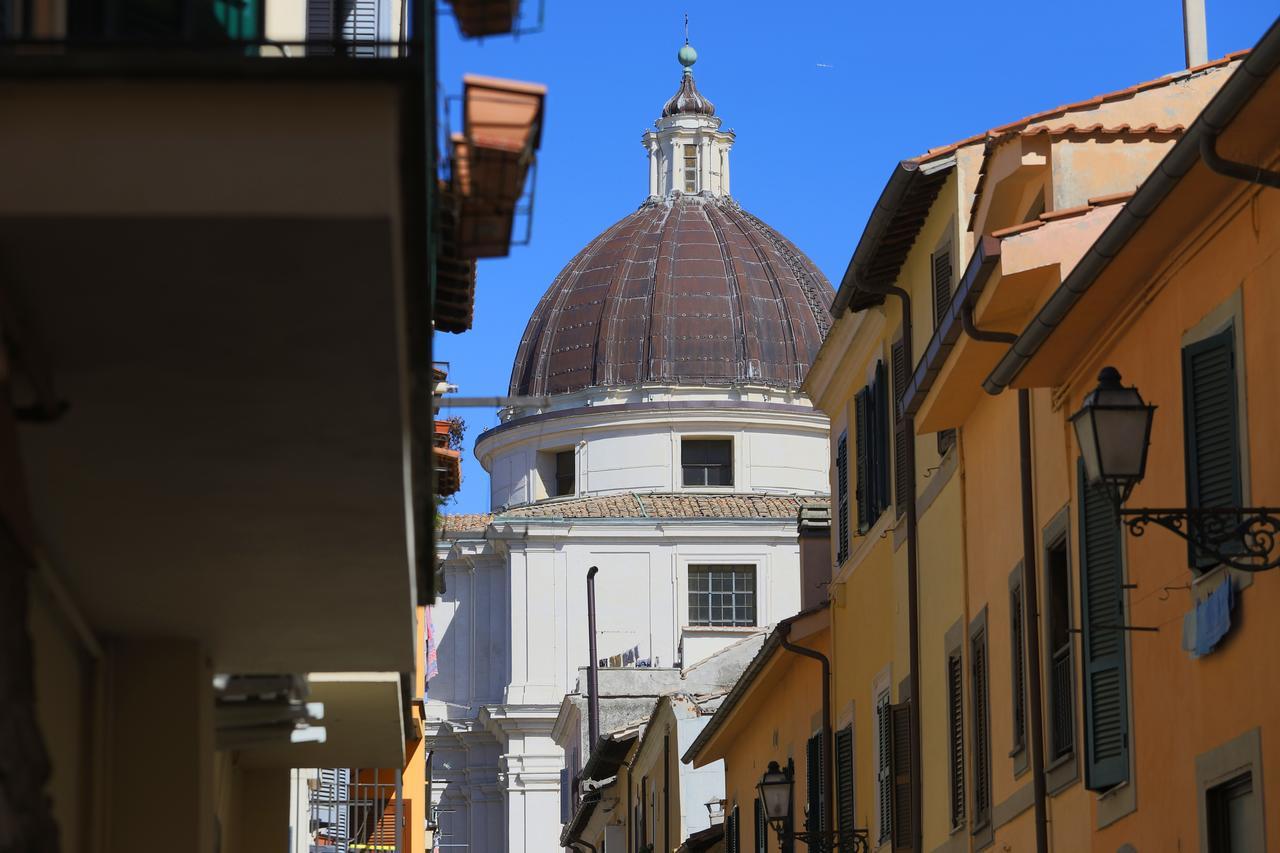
(653, 167)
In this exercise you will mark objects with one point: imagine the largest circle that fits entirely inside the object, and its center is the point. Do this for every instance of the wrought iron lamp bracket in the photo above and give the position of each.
(1244, 538)
(853, 841)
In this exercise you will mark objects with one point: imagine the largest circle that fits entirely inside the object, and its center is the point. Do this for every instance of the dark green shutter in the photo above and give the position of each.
(762, 829)
(842, 498)
(861, 441)
(941, 284)
(901, 376)
(815, 778)
(1211, 422)
(884, 773)
(1106, 704)
(883, 476)
(846, 813)
(1019, 666)
(900, 725)
(981, 723)
(955, 735)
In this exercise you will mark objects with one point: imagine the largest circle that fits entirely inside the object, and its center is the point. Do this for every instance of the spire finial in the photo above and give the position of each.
(687, 54)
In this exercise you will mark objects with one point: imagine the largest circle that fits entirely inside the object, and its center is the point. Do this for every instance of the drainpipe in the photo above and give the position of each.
(1030, 596)
(1233, 169)
(828, 763)
(593, 667)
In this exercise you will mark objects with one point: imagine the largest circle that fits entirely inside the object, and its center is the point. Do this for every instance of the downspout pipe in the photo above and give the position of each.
(1233, 169)
(1030, 595)
(828, 757)
(593, 667)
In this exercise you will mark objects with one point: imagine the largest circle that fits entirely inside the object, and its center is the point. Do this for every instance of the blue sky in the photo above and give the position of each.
(825, 97)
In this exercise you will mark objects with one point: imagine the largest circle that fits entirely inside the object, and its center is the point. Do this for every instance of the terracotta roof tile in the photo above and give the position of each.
(1064, 213)
(464, 523)
(1113, 198)
(681, 505)
(1017, 229)
(1117, 95)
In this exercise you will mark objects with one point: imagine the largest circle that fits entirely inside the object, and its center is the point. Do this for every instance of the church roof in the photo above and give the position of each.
(687, 290)
(668, 505)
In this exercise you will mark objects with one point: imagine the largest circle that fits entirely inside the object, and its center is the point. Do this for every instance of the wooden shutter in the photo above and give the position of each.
(900, 725)
(861, 440)
(884, 773)
(880, 429)
(981, 737)
(941, 284)
(1211, 423)
(1106, 689)
(846, 813)
(901, 376)
(1019, 668)
(955, 735)
(732, 841)
(762, 829)
(815, 785)
(347, 21)
(842, 498)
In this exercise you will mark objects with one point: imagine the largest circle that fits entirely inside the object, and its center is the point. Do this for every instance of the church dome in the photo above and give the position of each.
(688, 290)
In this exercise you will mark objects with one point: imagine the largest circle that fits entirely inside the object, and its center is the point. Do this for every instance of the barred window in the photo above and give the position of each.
(722, 595)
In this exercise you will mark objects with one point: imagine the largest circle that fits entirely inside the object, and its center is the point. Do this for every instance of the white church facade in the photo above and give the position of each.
(660, 434)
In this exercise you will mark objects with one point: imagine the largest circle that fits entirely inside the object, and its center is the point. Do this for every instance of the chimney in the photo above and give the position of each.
(814, 530)
(1194, 35)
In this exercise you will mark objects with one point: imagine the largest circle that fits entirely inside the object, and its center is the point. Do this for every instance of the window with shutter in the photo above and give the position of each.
(955, 735)
(815, 784)
(861, 491)
(941, 262)
(352, 22)
(1106, 686)
(762, 829)
(946, 441)
(1019, 669)
(900, 748)
(1212, 428)
(981, 728)
(1060, 683)
(846, 813)
(732, 842)
(901, 376)
(884, 769)
(842, 498)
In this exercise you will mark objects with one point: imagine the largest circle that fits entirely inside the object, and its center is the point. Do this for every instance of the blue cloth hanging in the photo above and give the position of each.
(1213, 616)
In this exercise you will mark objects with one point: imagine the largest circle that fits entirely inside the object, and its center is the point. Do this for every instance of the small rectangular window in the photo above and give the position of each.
(565, 473)
(722, 595)
(1230, 828)
(707, 462)
(691, 168)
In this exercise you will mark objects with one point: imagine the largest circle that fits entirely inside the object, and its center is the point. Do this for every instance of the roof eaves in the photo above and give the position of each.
(890, 231)
(1260, 63)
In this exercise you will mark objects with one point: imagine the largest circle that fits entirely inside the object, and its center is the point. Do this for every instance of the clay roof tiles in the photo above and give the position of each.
(672, 505)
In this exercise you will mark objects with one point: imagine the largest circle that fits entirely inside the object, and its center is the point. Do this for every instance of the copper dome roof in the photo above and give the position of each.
(688, 290)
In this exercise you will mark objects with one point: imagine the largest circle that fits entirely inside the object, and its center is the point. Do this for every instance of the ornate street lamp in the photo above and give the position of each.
(1113, 430)
(776, 788)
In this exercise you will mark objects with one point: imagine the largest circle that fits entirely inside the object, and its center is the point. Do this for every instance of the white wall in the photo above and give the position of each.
(640, 451)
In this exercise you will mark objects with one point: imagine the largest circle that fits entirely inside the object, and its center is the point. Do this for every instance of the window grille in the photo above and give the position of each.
(722, 595)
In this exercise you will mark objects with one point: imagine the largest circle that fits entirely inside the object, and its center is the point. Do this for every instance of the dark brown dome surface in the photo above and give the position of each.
(690, 290)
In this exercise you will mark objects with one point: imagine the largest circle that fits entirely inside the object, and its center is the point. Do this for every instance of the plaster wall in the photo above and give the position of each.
(640, 451)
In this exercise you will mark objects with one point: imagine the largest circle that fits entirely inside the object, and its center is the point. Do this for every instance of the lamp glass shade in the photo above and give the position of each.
(775, 793)
(1113, 431)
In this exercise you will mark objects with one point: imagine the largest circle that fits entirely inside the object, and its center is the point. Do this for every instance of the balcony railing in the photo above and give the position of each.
(356, 810)
(1061, 701)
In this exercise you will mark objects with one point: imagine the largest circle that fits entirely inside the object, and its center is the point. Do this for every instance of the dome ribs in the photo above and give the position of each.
(774, 299)
(607, 367)
(749, 356)
(687, 290)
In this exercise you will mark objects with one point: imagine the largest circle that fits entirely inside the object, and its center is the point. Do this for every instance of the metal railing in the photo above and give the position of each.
(1061, 700)
(356, 810)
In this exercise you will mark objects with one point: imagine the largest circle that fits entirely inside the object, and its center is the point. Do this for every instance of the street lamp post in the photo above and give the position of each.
(777, 789)
(1113, 430)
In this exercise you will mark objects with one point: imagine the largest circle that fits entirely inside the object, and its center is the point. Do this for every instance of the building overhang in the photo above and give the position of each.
(239, 451)
(363, 720)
